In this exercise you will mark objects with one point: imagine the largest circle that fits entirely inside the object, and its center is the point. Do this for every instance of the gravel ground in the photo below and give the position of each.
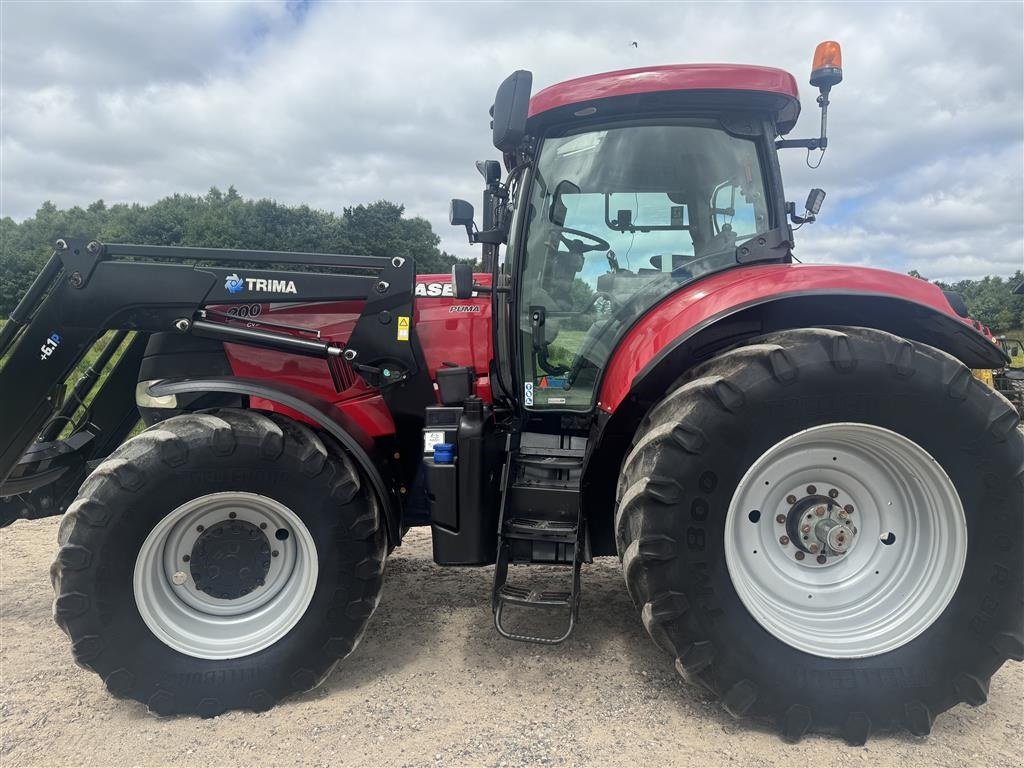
(433, 683)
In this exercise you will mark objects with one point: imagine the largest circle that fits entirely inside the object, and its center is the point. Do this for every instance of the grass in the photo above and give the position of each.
(88, 359)
(562, 350)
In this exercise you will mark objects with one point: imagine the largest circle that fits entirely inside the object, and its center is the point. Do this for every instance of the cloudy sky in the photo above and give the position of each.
(334, 104)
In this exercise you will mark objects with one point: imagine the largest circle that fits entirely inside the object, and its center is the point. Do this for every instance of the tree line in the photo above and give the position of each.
(227, 220)
(990, 300)
(216, 220)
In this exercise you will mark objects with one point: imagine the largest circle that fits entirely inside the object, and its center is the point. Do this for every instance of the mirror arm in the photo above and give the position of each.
(819, 143)
(488, 237)
(822, 141)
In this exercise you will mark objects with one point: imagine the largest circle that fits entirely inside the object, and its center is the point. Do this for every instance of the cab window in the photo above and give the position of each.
(616, 219)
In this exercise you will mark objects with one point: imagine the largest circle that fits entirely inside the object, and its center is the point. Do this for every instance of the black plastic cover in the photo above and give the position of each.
(454, 384)
(442, 493)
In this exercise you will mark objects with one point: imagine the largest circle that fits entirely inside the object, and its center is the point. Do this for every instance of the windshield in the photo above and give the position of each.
(616, 220)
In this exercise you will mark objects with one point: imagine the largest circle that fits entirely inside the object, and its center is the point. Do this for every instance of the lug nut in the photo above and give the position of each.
(274, 553)
(811, 490)
(200, 528)
(822, 559)
(848, 508)
(833, 493)
(780, 519)
(813, 548)
(178, 578)
(263, 526)
(791, 499)
(819, 511)
(186, 558)
(799, 555)
(805, 528)
(783, 540)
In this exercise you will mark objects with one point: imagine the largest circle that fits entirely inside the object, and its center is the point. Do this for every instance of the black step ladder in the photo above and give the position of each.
(541, 523)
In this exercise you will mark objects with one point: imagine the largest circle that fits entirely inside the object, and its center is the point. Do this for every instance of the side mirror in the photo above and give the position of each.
(462, 280)
(511, 105)
(814, 201)
(460, 214)
(490, 170)
(559, 210)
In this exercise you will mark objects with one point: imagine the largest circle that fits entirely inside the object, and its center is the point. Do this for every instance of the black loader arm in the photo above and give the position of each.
(88, 288)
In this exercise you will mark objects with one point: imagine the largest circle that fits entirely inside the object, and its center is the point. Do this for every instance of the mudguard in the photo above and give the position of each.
(721, 309)
(326, 415)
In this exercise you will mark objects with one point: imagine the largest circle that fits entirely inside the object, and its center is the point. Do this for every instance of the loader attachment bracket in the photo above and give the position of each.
(87, 288)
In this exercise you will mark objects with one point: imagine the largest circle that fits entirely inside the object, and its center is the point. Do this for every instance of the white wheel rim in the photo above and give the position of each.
(196, 623)
(876, 596)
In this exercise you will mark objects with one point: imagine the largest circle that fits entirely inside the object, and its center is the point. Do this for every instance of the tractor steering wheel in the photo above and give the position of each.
(577, 246)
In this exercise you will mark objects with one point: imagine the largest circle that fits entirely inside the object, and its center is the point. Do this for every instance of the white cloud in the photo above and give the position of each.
(338, 104)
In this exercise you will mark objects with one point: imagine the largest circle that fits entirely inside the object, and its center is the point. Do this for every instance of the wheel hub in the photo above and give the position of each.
(818, 525)
(230, 559)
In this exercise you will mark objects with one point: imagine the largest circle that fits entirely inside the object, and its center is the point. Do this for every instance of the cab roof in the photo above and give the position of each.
(760, 88)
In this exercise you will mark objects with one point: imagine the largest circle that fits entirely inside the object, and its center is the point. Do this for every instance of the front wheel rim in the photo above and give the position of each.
(188, 616)
(898, 570)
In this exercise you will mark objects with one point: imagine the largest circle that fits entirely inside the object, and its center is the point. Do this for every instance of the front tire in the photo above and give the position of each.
(724, 550)
(218, 561)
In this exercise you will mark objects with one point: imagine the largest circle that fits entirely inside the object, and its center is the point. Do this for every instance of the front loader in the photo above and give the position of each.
(817, 508)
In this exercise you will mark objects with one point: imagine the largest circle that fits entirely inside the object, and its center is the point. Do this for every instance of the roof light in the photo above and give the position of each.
(827, 69)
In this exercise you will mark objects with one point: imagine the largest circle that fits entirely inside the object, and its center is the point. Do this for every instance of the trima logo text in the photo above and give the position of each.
(236, 284)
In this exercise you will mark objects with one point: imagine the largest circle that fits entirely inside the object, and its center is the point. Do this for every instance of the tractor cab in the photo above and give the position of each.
(613, 218)
(623, 187)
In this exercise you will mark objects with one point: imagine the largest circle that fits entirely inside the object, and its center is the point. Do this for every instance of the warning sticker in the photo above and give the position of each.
(403, 328)
(528, 392)
(553, 382)
(430, 439)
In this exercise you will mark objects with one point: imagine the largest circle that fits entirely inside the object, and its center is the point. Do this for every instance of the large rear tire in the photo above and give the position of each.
(218, 561)
(738, 478)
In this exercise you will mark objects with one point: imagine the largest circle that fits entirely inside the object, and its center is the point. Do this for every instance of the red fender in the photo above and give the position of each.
(712, 298)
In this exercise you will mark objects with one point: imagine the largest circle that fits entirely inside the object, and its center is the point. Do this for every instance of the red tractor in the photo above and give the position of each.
(817, 508)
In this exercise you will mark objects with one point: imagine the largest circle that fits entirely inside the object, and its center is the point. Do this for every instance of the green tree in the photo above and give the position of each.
(991, 300)
(216, 220)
